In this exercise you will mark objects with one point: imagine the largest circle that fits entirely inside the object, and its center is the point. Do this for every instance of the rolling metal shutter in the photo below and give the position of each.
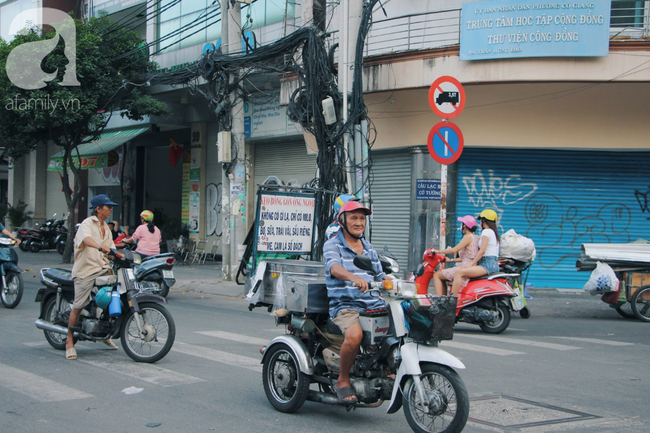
(391, 203)
(559, 199)
(288, 161)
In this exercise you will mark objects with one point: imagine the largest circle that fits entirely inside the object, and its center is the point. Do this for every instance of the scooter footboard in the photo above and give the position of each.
(412, 355)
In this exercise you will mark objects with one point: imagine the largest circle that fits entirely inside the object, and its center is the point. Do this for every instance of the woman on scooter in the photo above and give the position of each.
(467, 249)
(487, 259)
(147, 235)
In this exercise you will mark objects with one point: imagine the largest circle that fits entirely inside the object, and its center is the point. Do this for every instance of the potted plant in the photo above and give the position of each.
(18, 214)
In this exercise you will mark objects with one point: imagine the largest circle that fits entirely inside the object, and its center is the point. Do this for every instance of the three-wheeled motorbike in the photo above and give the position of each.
(399, 359)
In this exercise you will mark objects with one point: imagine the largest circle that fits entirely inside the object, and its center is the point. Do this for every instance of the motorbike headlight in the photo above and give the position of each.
(407, 290)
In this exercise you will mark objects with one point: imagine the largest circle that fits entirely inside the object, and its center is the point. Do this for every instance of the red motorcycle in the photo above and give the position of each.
(485, 301)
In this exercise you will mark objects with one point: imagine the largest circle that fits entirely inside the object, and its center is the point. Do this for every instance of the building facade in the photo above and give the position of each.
(555, 142)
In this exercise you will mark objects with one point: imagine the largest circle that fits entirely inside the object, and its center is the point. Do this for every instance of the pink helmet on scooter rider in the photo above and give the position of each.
(352, 206)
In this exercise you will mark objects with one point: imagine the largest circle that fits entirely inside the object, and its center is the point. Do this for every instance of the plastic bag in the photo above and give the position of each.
(602, 279)
(253, 295)
(517, 247)
(280, 302)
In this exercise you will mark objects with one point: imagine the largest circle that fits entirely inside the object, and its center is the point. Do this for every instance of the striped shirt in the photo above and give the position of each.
(343, 294)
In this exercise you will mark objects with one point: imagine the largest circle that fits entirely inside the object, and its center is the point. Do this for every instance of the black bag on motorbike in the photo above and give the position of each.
(430, 317)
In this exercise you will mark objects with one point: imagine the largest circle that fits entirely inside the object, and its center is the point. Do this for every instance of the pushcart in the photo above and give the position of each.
(631, 264)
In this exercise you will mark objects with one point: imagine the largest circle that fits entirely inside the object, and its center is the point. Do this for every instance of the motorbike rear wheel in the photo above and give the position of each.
(24, 244)
(500, 324)
(163, 288)
(448, 401)
(35, 246)
(286, 387)
(160, 332)
(60, 317)
(641, 303)
(12, 293)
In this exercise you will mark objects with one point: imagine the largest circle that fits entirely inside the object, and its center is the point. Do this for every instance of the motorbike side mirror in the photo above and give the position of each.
(364, 262)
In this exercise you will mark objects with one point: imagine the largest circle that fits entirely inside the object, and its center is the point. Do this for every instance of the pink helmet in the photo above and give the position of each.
(352, 206)
(468, 220)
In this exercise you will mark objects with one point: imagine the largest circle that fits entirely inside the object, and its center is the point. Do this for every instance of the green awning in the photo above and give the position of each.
(99, 153)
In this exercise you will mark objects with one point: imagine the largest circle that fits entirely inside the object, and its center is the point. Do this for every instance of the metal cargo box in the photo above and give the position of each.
(300, 283)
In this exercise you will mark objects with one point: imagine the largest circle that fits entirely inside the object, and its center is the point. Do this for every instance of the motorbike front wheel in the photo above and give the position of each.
(285, 385)
(60, 247)
(641, 303)
(157, 337)
(499, 324)
(12, 293)
(447, 406)
(60, 317)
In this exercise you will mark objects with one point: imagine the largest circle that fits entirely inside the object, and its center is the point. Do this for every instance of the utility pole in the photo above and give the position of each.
(234, 192)
(350, 13)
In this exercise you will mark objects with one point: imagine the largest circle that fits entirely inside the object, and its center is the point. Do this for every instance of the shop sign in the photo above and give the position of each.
(497, 29)
(428, 189)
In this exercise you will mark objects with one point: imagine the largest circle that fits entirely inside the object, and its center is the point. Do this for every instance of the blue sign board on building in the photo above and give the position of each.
(497, 29)
(427, 189)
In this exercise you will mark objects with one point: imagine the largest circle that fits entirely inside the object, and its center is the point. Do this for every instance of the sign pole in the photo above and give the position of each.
(443, 198)
(443, 206)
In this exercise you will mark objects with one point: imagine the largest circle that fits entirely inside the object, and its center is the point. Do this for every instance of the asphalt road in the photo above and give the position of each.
(575, 365)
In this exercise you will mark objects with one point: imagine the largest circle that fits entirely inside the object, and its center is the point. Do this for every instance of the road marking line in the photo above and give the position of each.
(219, 356)
(148, 372)
(597, 341)
(36, 387)
(522, 342)
(37, 344)
(235, 337)
(482, 349)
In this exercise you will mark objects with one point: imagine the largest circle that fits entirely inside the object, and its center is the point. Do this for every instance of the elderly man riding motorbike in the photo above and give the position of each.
(347, 287)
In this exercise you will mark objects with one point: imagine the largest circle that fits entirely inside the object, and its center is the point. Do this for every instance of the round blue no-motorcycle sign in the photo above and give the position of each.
(445, 142)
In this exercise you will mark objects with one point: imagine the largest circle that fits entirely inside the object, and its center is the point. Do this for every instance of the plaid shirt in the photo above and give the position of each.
(343, 294)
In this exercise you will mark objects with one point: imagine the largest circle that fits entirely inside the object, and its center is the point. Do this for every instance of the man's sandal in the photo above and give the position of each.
(345, 392)
(110, 344)
(71, 354)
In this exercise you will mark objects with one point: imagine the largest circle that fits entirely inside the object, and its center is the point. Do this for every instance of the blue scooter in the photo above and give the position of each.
(12, 278)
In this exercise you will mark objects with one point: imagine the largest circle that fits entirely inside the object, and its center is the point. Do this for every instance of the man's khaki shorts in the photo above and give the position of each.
(346, 318)
(82, 288)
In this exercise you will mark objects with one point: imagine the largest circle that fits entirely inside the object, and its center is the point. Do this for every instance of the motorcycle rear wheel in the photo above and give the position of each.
(60, 317)
(35, 246)
(12, 293)
(160, 333)
(500, 324)
(641, 303)
(24, 244)
(164, 288)
(448, 401)
(286, 387)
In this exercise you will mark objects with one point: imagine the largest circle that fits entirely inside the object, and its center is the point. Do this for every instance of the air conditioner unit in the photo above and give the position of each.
(223, 144)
